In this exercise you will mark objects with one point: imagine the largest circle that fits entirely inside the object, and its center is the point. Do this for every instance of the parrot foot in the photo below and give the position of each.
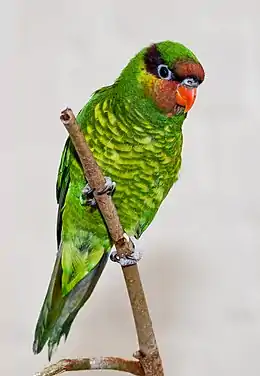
(109, 187)
(126, 260)
(87, 194)
(87, 197)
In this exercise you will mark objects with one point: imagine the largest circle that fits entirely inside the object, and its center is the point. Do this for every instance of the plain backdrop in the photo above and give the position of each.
(201, 263)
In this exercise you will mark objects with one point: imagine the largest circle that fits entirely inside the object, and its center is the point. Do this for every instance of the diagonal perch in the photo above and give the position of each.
(96, 182)
(149, 362)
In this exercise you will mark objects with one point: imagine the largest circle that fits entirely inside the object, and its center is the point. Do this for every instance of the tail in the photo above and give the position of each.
(58, 312)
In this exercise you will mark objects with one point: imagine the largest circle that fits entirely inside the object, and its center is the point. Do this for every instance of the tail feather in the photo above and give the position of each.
(58, 312)
(51, 307)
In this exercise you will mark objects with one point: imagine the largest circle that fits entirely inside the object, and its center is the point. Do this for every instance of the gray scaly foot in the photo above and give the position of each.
(126, 260)
(109, 187)
(87, 194)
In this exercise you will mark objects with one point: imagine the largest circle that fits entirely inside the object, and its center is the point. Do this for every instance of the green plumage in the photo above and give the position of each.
(140, 149)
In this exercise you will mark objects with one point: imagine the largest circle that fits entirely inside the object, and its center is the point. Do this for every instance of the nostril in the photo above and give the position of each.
(190, 82)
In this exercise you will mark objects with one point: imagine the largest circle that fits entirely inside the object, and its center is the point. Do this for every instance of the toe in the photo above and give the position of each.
(87, 191)
(109, 186)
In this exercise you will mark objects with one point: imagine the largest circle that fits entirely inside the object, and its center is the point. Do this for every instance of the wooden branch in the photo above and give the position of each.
(96, 181)
(148, 355)
(106, 363)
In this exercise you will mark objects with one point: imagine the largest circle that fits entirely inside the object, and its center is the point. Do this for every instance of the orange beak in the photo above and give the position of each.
(185, 97)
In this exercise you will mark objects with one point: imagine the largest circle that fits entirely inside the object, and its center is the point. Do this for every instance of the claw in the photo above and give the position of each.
(89, 202)
(126, 260)
(109, 187)
(87, 197)
(138, 355)
(87, 191)
(87, 194)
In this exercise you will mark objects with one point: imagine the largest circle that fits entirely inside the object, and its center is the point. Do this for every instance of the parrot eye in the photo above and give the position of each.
(164, 72)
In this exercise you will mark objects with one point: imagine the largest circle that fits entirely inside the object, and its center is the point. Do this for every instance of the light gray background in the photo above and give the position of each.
(201, 267)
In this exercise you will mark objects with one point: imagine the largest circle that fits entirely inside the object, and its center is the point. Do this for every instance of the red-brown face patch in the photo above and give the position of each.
(164, 94)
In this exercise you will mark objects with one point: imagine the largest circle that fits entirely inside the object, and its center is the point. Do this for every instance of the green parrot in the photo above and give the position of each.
(134, 129)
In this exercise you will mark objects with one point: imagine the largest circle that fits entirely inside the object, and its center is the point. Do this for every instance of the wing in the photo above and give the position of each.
(81, 253)
(62, 184)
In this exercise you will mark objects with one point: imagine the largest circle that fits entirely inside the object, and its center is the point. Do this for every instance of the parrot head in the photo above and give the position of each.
(167, 74)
